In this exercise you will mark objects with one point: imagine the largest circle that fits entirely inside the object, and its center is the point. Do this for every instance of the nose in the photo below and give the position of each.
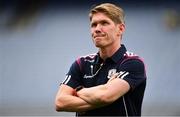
(98, 28)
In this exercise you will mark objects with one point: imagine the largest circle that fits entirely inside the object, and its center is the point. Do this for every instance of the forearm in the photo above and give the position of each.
(71, 103)
(93, 95)
(104, 94)
(67, 100)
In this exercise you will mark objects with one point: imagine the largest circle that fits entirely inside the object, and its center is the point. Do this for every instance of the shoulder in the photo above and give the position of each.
(83, 59)
(133, 62)
(90, 58)
(87, 58)
(130, 56)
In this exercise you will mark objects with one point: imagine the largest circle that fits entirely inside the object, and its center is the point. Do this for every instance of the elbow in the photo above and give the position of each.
(58, 105)
(58, 108)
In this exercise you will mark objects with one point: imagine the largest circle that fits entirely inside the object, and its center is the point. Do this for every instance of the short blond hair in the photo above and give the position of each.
(115, 13)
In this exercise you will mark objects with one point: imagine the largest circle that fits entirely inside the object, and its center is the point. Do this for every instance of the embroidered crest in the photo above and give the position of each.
(111, 72)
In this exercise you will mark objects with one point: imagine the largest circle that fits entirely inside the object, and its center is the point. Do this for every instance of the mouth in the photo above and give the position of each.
(99, 36)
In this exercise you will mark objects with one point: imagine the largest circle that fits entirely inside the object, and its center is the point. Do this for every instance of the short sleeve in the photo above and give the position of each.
(74, 75)
(134, 70)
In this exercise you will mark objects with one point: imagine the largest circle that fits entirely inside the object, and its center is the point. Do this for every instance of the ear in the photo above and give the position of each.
(121, 28)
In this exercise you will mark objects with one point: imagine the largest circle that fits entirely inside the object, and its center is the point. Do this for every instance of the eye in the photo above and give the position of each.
(93, 25)
(104, 23)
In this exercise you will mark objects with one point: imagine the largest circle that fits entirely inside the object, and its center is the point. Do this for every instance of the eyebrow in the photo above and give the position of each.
(99, 21)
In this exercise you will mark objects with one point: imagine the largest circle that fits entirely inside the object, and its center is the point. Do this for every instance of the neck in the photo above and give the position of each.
(108, 51)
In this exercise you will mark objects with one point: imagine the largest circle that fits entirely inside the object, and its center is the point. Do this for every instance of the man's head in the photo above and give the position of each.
(107, 25)
(115, 13)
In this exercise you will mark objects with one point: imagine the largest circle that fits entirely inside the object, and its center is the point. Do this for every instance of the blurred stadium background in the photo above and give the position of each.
(39, 39)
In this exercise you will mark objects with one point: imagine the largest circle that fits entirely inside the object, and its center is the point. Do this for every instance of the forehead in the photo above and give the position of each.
(99, 17)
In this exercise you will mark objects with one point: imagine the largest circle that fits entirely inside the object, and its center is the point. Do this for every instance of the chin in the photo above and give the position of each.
(99, 45)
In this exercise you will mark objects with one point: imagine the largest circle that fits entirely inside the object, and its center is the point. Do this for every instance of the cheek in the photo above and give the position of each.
(104, 30)
(110, 32)
(92, 32)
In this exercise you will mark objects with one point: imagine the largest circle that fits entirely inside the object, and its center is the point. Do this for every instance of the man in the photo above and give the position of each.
(109, 83)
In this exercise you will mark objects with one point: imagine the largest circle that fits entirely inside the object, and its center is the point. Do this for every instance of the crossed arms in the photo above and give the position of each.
(67, 99)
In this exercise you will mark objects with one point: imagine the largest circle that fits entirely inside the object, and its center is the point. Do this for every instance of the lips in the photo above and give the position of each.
(97, 36)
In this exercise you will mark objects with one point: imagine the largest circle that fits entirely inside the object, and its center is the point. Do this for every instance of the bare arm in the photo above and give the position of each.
(66, 100)
(105, 94)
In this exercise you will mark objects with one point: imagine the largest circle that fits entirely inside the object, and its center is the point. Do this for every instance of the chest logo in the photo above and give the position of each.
(111, 72)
